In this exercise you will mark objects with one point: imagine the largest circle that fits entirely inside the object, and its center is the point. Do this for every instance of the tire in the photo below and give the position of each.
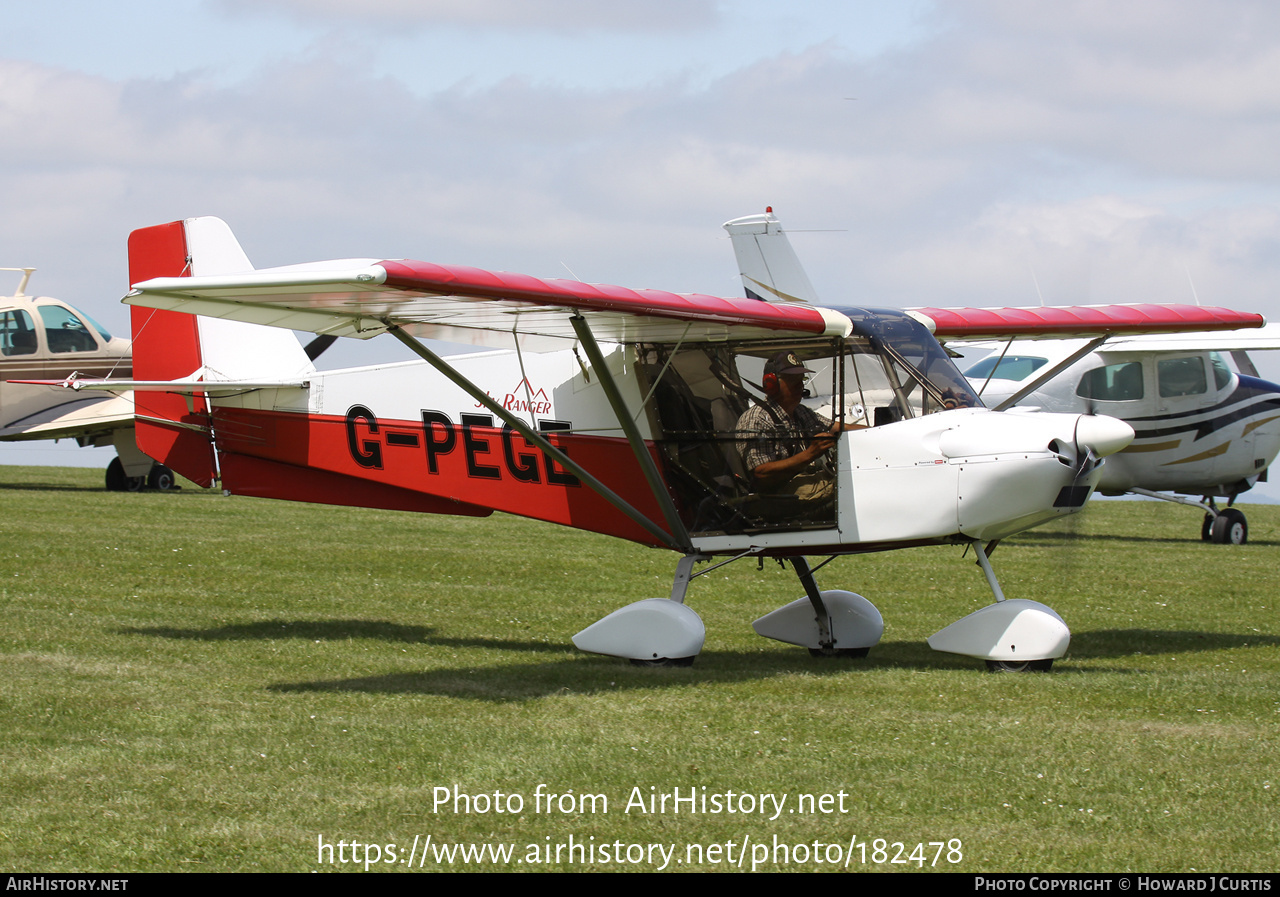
(117, 481)
(1020, 666)
(1206, 528)
(161, 478)
(1230, 528)
(853, 653)
(115, 476)
(663, 662)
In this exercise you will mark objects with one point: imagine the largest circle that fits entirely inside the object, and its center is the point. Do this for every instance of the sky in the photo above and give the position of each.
(973, 152)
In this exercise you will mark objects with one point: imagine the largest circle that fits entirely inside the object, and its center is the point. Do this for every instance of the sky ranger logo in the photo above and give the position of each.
(524, 399)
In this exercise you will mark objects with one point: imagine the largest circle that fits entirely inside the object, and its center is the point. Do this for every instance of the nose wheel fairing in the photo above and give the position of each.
(1012, 631)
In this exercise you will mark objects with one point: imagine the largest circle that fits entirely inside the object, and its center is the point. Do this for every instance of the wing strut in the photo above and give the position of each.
(1051, 373)
(539, 440)
(628, 424)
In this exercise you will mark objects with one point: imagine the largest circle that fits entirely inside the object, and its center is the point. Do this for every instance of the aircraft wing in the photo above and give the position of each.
(362, 298)
(1080, 321)
(78, 416)
(178, 387)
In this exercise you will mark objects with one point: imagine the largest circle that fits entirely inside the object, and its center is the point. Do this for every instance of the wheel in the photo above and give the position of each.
(1206, 528)
(1230, 528)
(161, 478)
(853, 653)
(1020, 666)
(117, 481)
(663, 662)
(115, 476)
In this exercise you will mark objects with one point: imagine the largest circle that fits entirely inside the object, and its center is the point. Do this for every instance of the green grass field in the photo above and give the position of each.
(195, 682)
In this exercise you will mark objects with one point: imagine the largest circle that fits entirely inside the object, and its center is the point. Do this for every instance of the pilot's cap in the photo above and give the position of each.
(785, 364)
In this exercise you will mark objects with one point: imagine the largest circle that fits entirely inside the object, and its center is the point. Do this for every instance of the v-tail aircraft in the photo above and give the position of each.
(1201, 428)
(669, 420)
(42, 338)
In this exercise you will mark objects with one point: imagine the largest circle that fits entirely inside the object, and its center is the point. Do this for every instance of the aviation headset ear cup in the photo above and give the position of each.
(770, 382)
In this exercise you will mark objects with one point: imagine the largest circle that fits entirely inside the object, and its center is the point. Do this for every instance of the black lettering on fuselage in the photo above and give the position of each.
(474, 446)
(434, 422)
(555, 474)
(440, 437)
(524, 465)
(369, 452)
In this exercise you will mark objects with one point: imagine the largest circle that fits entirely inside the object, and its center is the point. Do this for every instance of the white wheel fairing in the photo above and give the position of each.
(651, 629)
(855, 622)
(1014, 630)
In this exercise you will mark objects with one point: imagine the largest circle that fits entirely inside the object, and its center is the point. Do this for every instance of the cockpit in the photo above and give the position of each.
(889, 369)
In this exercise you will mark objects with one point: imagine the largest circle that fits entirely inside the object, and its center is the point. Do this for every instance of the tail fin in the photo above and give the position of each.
(769, 267)
(169, 345)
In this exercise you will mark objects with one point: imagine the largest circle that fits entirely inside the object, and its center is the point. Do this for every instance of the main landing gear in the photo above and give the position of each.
(1227, 526)
(831, 623)
(159, 478)
(652, 632)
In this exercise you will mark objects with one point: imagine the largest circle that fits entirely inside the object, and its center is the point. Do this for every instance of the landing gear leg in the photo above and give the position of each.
(831, 623)
(1225, 527)
(1014, 634)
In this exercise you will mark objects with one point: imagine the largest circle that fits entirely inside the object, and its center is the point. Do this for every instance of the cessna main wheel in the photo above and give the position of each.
(161, 478)
(118, 481)
(1230, 528)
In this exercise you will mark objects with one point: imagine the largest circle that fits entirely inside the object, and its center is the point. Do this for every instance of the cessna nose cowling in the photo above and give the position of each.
(1102, 434)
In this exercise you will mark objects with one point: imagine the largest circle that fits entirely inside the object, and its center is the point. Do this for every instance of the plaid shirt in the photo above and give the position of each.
(770, 434)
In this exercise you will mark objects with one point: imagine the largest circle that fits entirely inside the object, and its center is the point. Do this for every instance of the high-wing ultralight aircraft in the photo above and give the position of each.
(44, 338)
(621, 412)
(1200, 427)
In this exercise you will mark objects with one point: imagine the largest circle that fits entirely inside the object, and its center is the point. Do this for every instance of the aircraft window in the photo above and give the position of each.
(17, 333)
(1113, 383)
(1221, 373)
(1011, 367)
(64, 332)
(699, 394)
(102, 331)
(1181, 377)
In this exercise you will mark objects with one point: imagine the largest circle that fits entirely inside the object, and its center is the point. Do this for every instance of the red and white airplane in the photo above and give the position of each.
(616, 411)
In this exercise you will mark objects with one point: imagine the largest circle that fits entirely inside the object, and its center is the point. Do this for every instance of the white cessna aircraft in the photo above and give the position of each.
(616, 411)
(1200, 427)
(44, 338)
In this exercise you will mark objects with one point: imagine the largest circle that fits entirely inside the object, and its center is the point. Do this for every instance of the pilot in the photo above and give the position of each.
(781, 440)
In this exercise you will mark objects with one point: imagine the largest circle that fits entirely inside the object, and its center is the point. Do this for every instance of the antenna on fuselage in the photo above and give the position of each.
(1194, 294)
(22, 286)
